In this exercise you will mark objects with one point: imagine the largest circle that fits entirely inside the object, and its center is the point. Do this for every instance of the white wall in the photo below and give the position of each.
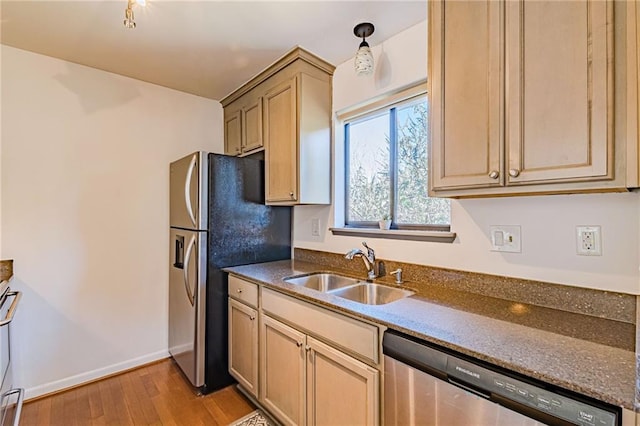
(547, 222)
(85, 161)
(0, 142)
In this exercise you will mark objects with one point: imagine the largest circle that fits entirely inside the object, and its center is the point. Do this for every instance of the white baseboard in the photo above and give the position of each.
(78, 379)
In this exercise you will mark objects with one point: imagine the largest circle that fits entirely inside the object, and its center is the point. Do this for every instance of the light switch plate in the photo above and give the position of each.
(505, 238)
(315, 227)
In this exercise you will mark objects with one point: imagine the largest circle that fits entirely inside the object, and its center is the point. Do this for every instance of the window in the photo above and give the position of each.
(386, 169)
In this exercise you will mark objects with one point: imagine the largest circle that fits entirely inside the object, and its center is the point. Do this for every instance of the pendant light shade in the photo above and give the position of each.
(129, 20)
(364, 58)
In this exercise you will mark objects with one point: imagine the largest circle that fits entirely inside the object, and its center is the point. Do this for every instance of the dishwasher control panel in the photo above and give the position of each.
(563, 407)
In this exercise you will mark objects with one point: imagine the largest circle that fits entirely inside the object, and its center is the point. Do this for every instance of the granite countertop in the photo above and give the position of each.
(569, 350)
(6, 269)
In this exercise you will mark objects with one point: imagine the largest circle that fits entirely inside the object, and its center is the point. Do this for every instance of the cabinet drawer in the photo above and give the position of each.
(349, 334)
(243, 291)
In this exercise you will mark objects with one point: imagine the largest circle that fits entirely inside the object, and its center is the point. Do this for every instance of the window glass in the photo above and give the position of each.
(387, 169)
(414, 206)
(369, 185)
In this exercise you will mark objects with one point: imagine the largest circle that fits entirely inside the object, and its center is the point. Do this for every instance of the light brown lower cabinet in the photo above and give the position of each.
(340, 389)
(282, 371)
(305, 381)
(243, 345)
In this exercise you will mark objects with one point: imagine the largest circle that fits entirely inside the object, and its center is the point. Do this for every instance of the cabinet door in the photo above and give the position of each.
(466, 94)
(281, 145)
(282, 371)
(637, 80)
(232, 133)
(559, 90)
(340, 389)
(243, 345)
(252, 126)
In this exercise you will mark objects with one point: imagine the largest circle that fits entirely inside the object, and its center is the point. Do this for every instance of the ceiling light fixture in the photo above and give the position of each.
(364, 58)
(129, 21)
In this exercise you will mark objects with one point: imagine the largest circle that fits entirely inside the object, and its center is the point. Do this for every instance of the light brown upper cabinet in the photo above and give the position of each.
(527, 97)
(280, 131)
(252, 126)
(243, 126)
(287, 109)
(233, 132)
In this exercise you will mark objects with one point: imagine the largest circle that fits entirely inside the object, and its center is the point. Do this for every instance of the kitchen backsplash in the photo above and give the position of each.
(602, 304)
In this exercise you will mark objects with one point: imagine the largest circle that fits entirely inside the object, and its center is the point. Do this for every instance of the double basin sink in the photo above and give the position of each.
(350, 288)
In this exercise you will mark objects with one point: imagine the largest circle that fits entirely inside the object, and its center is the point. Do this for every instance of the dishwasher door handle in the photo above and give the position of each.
(468, 388)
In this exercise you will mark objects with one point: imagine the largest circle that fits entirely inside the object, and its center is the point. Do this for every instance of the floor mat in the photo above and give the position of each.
(257, 418)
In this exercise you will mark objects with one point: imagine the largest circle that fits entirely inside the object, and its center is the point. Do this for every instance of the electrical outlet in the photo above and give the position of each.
(315, 227)
(589, 241)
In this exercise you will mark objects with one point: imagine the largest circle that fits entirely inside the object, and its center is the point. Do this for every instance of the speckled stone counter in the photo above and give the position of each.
(6, 269)
(586, 354)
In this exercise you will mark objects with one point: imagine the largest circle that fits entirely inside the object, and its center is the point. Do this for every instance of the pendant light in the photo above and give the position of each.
(364, 58)
(129, 20)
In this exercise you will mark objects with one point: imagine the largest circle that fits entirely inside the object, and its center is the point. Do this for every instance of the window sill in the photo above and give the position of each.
(397, 234)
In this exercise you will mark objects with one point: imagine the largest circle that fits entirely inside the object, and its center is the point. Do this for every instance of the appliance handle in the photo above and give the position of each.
(12, 308)
(185, 271)
(20, 392)
(187, 189)
(468, 388)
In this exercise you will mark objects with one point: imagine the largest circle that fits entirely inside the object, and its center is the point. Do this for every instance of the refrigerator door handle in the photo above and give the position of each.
(187, 189)
(185, 271)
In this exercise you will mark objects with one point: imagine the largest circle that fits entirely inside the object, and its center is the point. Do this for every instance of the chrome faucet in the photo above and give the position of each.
(369, 260)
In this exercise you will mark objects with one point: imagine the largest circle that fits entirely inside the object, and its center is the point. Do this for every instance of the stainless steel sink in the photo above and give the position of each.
(372, 294)
(322, 281)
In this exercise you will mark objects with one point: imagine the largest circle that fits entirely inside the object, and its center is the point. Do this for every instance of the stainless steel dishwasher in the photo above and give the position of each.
(427, 385)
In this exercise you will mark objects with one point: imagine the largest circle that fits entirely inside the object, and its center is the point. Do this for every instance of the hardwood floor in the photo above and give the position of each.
(155, 394)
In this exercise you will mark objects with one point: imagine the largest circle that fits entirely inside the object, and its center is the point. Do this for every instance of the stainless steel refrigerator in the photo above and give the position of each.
(217, 219)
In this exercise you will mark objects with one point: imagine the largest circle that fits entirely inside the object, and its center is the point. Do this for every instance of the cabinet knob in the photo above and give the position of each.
(494, 174)
(514, 172)
(307, 348)
(237, 149)
(299, 344)
(252, 317)
(239, 290)
(291, 194)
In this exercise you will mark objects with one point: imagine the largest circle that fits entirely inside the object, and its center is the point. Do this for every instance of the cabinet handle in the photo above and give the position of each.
(494, 174)
(514, 172)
